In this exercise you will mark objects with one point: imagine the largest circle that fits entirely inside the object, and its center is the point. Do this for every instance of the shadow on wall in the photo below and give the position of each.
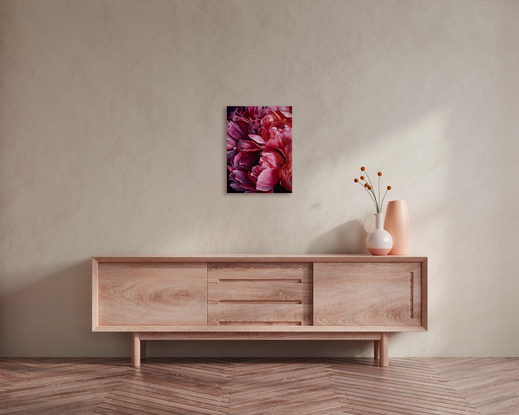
(348, 238)
(259, 348)
(56, 310)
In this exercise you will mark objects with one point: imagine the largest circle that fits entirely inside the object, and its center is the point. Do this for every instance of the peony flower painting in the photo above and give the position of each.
(259, 149)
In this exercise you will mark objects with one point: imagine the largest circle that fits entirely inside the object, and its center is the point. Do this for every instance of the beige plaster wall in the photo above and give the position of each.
(112, 134)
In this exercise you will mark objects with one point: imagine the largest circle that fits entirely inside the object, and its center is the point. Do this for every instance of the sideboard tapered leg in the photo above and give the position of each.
(383, 350)
(376, 349)
(136, 350)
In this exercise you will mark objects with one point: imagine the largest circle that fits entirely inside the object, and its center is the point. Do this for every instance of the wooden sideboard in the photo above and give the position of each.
(259, 297)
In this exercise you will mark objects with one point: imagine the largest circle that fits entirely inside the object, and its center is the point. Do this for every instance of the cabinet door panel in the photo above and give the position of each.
(367, 294)
(155, 294)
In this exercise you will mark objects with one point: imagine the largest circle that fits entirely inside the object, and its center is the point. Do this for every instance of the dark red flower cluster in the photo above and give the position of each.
(259, 149)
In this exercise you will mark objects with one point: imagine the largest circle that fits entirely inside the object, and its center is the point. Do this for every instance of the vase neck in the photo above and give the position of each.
(379, 221)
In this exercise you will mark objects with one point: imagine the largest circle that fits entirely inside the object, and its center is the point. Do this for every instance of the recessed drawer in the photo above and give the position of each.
(259, 293)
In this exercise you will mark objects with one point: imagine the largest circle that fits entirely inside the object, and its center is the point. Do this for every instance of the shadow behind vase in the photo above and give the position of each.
(398, 224)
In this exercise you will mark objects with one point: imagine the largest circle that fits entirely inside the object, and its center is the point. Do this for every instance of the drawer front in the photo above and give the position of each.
(259, 293)
(156, 294)
(367, 294)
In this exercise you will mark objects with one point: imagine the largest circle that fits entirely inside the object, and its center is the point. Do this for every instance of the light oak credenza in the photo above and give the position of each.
(259, 297)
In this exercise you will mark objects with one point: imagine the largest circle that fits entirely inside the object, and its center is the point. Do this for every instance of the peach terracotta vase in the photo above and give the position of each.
(397, 223)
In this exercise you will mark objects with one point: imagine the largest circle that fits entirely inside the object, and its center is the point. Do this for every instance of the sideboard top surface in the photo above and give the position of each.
(259, 258)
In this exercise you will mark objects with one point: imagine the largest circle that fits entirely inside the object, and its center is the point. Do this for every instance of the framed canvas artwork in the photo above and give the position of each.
(259, 149)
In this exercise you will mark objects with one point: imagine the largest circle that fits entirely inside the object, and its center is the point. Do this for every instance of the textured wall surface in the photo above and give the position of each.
(112, 137)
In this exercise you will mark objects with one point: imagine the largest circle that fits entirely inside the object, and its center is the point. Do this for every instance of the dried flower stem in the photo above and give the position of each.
(367, 175)
(376, 202)
(379, 189)
(373, 192)
(369, 193)
(384, 198)
(368, 187)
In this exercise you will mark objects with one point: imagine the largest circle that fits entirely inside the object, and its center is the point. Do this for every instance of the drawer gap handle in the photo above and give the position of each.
(295, 281)
(411, 302)
(259, 302)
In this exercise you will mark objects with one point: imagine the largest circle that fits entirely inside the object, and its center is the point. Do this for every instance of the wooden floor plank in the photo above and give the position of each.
(489, 384)
(414, 386)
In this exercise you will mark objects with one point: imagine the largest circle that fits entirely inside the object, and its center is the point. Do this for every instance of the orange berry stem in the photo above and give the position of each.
(376, 202)
(368, 187)
(367, 175)
(388, 189)
(369, 193)
(379, 174)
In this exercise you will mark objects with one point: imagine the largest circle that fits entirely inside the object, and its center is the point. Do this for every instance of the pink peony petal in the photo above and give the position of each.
(237, 186)
(242, 178)
(275, 144)
(235, 183)
(236, 131)
(286, 177)
(245, 160)
(269, 119)
(287, 111)
(247, 145)
(255, 172)
(253, 112)
(231, 142)
(268, 133)
(257, 138)
(236, 113)
(282, 142)
(257, 191)
(254, 126)
(272, 159)
(267, 179)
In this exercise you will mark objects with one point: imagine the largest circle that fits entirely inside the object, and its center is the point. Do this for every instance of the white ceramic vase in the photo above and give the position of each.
(379, 241)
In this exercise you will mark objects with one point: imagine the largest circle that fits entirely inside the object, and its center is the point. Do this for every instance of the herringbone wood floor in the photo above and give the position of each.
(418, 386)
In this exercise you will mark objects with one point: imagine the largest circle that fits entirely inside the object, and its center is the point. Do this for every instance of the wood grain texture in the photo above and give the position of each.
(264, 298)
(152, 294)
(266, 329)
(297, 272)
(220, 314)
(244, 258)
(259, 293)
(383, 351)
(95, 294)
(489, 384)
(260, 336)
(367, 294)
(411, 386)
(425, 294)
(136, 350)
